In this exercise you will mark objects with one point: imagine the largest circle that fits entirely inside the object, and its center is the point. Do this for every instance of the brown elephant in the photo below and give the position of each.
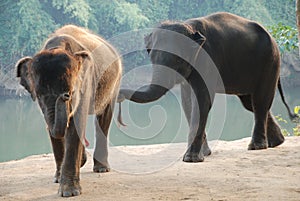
(219, 53)
(75, 74)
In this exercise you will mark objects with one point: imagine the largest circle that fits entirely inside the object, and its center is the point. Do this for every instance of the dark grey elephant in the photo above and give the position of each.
(76, 73)
(219, 53)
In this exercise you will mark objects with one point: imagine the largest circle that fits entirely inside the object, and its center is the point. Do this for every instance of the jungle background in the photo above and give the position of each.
(26, 24)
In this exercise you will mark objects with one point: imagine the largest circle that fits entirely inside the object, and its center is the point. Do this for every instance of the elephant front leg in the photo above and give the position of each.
(186, 97)
(69, 182)
(197, 149)
(197, 142)
(58, 150)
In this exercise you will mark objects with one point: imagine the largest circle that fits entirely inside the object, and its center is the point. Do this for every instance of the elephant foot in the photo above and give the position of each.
(275, 141)
(274, 135)
(101, 167)
(193, 156)
(69, 189)
(257, 145)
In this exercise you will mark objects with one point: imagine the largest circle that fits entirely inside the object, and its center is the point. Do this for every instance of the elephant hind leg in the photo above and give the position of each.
(102, 123)
(259, 136)
(274, 134)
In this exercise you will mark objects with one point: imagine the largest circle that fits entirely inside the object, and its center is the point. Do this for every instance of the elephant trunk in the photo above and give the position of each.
(163, 79)
(61, 116)
(145, 94)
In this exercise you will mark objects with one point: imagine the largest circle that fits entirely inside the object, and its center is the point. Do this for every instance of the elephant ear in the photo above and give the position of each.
(199, 38)
(68, 47)
(24, 72)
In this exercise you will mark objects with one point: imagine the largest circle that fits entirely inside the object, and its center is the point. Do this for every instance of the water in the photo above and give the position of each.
(23, 130)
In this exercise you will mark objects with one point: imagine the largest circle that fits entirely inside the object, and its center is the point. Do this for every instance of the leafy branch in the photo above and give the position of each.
(296, 129)
(285, 36)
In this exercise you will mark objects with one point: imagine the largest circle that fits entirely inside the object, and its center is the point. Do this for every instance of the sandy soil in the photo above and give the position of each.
(230, 173)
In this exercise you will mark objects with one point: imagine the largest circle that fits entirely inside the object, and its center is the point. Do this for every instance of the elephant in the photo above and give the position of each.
(219, 53)
(76, 73)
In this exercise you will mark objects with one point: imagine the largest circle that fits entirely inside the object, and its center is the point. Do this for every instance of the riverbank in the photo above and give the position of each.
(230, 173)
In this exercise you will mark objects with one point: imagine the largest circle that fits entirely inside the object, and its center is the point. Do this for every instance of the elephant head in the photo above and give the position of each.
(172, 48)
(51, 78)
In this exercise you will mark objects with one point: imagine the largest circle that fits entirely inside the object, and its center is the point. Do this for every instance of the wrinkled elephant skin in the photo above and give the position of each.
(219, 53)
(75, 74)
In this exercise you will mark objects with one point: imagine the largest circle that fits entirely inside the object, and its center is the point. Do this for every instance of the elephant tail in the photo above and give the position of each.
(120, 119)
(293, 116)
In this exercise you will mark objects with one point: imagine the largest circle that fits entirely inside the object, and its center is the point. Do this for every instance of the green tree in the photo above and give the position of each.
(79, 10)
(254, 10)
(24, 26)
(285, 36)
(110, 18)
(155, 10)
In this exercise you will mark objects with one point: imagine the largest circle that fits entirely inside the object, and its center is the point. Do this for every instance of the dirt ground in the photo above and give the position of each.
(230, 173)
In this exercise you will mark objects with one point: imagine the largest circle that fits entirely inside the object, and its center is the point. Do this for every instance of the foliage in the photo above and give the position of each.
(283, 10)
(23, 28)
(131, 14)
(114, 17)
(255, 10)
(296, 129)
(284, 131)
(286, 36)
(75, 9)
(25, 24)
